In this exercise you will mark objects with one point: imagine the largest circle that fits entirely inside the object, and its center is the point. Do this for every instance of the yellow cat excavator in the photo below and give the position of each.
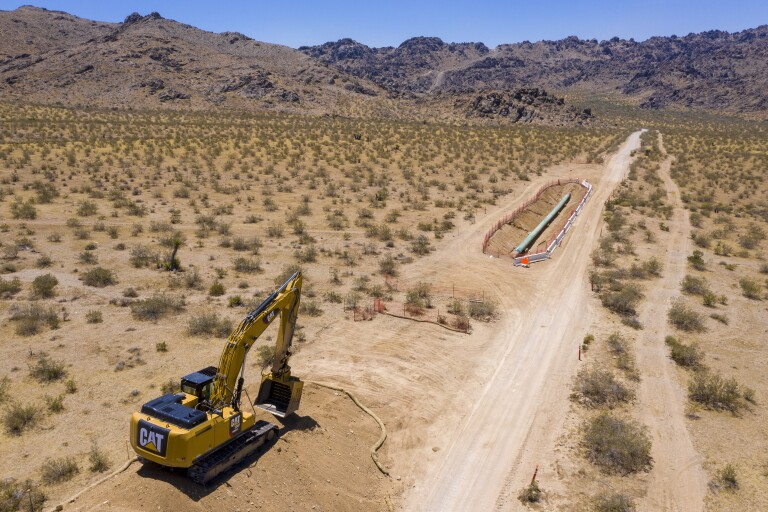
(203, 428)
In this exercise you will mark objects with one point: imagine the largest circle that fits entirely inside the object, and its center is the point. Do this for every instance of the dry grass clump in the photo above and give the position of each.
(599, 388)
(209, 324)
(46, 370)
(684, 317)
(619, 347)
(99, 461)
(99, 277)
(59, 470)
(531, 493)
(9, 288)
(614, 502)
(31, 318)
(616, 445)
(17, 418)
(689, 356)
(156, 307)
(15, 495)
(486, 309)
(717, 393)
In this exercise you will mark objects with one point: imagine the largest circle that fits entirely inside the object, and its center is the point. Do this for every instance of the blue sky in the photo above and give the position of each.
(389, 22)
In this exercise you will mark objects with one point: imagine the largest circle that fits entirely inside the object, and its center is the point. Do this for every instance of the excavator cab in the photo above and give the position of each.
(279, 395)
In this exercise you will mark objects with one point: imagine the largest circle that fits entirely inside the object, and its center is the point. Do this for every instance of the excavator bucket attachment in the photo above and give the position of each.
(279, 396)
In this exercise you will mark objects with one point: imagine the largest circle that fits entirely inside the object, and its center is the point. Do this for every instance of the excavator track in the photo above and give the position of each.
(212, 465)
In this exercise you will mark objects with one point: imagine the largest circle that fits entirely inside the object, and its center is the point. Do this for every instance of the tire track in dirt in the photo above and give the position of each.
(519, 410)
(677, 481)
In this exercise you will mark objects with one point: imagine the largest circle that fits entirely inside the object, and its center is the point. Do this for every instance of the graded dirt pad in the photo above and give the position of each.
(505, 240)
(321, 461)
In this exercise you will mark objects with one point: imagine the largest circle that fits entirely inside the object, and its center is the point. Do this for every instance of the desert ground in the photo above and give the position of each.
(95, 324)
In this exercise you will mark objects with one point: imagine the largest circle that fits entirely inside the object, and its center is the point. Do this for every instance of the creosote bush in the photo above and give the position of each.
(98, 277)
(685, 318)
(59, 470)
(715, 392)
(99, 461)
(531, 493)
(43, 286)
(614, 502)
(15, 495)
(46, 370)
(209, 324)
(17, 418)
(486, 310)
(617, 445)
(598, 387)
(689, 356)
(30, 319)
(156, 307)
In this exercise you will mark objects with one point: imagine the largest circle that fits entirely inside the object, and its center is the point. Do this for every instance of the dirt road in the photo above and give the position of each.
(531, 360)
(677, 481)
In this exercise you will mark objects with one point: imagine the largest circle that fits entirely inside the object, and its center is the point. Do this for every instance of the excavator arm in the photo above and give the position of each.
(279, 393)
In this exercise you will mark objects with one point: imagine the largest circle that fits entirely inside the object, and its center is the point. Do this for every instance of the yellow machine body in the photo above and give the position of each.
(203, 428)
(177, 447)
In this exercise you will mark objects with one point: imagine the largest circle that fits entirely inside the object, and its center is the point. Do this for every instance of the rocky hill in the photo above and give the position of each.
(712, 70)
(151, 62)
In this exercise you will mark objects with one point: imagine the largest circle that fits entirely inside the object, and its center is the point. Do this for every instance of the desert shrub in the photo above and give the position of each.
(265, 354)
(617, 445)
(235, 301)
(727, 477)
(55, 403)
(30, 319)
(22, 210)
(16, 495)
(688, 356)
(750, 288)
(420, 245)
(156, 307)
(310, 308)
(209, 324)
(419, 296)
(70, 386)
(388, 266)
(142, 256)
(99, 277)
(685, 318)
(461, 322)
(599, 387)
(46, 369)
(723, 319)
(99, 461)
(59, 470)
(5, 385)
(622, 301)
(217, 289)
(619, 346)
(170, 386)
(333, 297)
(653, 267)
(693, 285)
(530, 493)
(614, 502)
(286, 273)
(247, 265)
(696, 260)
(716, 393)
(43, 286)
(486, 309)
(161, 346)
(9, 288)
(44, 261)
(94, 316)
(17, 418)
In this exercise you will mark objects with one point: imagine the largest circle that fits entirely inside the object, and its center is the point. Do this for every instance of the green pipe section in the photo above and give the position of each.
(533, 235)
